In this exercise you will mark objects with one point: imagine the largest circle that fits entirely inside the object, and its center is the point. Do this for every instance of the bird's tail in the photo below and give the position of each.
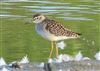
(79, 34)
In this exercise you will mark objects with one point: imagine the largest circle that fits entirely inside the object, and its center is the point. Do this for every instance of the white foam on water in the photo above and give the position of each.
(2, 62)
(24, 60)
(50, 60)
(97, 55)
(61, 45)
(61, 58)
(67, 58)
(78, 56)
(86, 58)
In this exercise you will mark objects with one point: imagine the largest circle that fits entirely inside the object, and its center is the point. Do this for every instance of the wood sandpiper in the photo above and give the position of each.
(52, 31)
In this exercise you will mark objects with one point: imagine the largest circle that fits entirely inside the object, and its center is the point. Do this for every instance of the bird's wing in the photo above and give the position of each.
(57, 29)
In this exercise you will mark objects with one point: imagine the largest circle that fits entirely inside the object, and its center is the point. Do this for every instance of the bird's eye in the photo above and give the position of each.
(37, 18)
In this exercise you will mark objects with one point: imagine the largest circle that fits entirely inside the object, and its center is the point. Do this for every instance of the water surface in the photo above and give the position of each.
(18, 39)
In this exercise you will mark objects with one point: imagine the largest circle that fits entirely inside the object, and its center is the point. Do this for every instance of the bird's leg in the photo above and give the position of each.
(52, 46)
(56, 49)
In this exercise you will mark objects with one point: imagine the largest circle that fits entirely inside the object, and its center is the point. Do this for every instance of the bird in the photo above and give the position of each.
(52, 30)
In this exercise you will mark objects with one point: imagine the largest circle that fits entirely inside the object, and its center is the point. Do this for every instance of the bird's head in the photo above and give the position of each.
(38, 18)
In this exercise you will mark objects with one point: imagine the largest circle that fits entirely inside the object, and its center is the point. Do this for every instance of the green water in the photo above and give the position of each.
(18, 39)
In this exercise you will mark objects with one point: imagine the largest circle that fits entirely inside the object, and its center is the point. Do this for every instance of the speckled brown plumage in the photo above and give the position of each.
(57, 29)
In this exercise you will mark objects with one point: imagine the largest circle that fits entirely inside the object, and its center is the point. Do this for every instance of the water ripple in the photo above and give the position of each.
(53, 11)
(35, 10)
(87, 6)
(8, 15)
(56, 7)
(88, 12)
(41, 2)
(48, 2)
(75, 18)
(6, 8)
